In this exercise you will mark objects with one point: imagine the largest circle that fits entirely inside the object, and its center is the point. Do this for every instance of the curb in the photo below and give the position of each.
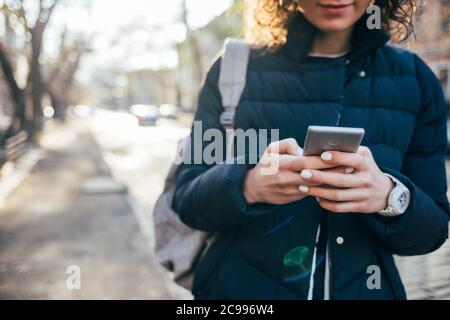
(14, 173)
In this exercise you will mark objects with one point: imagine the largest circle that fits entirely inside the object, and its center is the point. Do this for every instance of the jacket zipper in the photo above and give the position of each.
(327, 278)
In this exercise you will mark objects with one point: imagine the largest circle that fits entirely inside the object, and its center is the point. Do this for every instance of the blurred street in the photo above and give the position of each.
(74, 210)
(428, 277)
(70, 211)
(140, 156)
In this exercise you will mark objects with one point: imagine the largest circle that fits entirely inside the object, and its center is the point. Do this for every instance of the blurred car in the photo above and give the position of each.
(145, 114)
(82, 111)
(168, 111)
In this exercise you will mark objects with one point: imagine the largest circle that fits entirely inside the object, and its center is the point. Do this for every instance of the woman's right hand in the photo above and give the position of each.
(281, 186)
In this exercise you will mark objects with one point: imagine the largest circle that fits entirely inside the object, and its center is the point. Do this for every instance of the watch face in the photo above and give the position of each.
(401, 200)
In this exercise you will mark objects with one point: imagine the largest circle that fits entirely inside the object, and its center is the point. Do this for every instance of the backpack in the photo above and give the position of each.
(179, 247)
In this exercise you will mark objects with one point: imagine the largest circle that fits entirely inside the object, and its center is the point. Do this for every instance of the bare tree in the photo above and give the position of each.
(61, 77)
(35, 78)
(193, 45)
(30, 118)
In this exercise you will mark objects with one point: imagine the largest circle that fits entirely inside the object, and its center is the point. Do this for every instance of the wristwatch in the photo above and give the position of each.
(398, 200)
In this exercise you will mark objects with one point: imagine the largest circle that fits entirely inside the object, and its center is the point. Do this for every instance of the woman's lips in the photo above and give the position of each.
(335, 9)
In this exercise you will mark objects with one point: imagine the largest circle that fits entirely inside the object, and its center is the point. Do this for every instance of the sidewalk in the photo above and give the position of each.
(63, 215)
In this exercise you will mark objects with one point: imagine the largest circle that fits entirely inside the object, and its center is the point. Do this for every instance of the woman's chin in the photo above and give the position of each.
(334, 26)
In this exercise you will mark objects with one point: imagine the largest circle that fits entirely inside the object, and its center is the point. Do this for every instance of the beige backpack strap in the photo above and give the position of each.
(233, 72)
(232, 78)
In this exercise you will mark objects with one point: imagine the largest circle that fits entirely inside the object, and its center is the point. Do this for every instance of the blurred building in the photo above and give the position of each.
(209, 41)
(152, 87)
(433, 39)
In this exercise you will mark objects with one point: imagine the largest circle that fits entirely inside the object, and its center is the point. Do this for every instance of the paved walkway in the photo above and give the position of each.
(69, 211)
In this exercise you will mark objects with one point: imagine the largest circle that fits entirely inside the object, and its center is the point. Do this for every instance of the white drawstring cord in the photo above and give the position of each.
(326, 294)
(313, 267)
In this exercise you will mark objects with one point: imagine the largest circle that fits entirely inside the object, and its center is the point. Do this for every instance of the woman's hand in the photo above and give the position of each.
(366, 190)
(282, 185)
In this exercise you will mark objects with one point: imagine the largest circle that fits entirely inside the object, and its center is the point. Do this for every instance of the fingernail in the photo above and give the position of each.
(303, 189)
(327, 156)
(299, 151)
(349, 170)
(306, 174)
(318, 199)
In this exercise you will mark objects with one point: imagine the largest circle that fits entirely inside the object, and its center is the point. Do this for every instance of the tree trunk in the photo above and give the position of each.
(37, 86)
(17, 95)
(196, 58)
(194, 48)
(35, 77)
(60, 84)
(59, 105)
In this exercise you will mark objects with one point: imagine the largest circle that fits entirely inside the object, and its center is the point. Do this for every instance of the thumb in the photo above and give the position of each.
(286, 146)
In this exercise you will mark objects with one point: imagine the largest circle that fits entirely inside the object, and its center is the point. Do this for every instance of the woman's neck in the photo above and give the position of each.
(331, 43)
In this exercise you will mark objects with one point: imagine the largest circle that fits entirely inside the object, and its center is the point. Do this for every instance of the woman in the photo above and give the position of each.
(308, 231)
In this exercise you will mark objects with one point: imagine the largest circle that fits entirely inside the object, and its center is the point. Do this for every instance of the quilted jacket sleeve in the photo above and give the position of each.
(424, 226)
(209, 197)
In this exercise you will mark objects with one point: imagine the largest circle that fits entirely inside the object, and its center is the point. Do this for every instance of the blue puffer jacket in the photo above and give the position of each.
(389, 92)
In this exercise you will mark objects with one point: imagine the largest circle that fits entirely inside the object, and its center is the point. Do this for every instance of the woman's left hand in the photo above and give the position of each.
(365, 189)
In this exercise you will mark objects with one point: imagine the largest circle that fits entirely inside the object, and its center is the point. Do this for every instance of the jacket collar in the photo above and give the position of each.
(301, 34)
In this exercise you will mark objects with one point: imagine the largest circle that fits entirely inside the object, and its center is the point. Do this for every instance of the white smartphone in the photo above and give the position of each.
(321, 138)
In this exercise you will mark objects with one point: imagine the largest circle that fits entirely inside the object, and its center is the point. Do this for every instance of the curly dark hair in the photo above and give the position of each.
(266, 21)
